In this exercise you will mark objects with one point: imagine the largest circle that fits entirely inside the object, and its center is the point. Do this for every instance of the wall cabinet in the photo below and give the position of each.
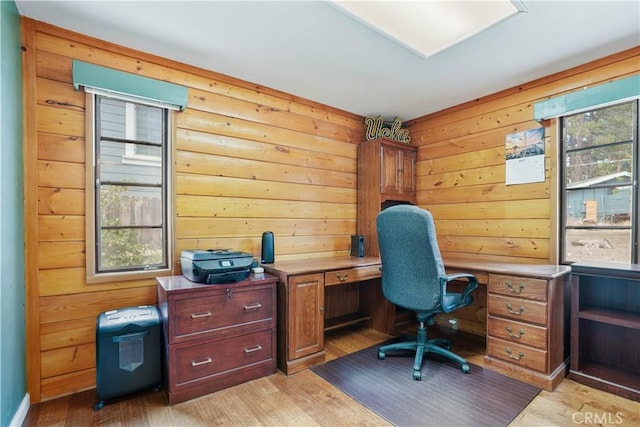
(216, 336)
(605, 327)
(386, 175)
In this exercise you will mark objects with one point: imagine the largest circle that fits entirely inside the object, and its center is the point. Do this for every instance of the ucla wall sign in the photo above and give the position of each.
(377, 128)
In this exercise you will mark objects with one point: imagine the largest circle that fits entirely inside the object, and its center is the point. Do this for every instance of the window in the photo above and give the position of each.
(127, 204)
(599, 169)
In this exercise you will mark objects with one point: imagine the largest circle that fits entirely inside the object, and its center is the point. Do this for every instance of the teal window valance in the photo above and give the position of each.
(607, 93)
(117, 82)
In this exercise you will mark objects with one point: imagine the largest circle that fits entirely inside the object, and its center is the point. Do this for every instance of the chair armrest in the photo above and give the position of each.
(472, 285)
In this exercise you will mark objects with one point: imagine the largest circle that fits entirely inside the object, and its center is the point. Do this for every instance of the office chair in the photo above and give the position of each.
(413, 277)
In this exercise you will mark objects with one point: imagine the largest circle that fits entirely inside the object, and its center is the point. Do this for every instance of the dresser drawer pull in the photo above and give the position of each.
(253, 350)
(342, 277)
(518, 357)
(198, 315)
(253, 307)
(204, 362)
(514, 290)
(511, 334)
(519, 312)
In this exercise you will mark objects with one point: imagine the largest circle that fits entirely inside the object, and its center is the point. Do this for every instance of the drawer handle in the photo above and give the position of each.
(198, 315)
(515, 312)
(253, 307)
(511, 334)
(513, 289)
(204, 362)
(518, 357)
(342, 277)
(253, 350)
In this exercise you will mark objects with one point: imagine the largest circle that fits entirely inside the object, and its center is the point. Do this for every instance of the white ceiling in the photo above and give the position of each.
(313, 50)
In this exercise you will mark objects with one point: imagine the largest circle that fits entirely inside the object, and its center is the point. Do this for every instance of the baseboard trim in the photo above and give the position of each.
(21, 413)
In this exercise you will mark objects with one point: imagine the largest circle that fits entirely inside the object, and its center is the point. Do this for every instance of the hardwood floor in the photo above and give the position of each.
(304, 399)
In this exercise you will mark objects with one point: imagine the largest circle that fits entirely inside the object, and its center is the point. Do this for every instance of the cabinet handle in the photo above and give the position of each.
(519, 312)
(511, 334)
(204, 362)
(514, 290)
(252, 350)
(518, 357)
(253, 307)
(198, 315)
(342, 277)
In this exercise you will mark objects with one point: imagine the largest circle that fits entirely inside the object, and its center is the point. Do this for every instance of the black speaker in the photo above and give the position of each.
(268, 256)
(357, 245)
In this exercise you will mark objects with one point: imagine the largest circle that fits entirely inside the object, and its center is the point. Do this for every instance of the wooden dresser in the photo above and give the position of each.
(216, 336)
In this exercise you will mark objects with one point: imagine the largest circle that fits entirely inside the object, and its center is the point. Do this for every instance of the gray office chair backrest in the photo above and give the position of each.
(411, 260)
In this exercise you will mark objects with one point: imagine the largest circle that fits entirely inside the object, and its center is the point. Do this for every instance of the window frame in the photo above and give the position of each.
(91, 240)
(635, 198)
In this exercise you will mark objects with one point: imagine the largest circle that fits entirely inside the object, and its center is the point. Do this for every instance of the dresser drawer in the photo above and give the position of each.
(349, 275)
(517, 332)
(523, 287)
(229, 307)
(200, 361)
(518, 309)
(517, 354)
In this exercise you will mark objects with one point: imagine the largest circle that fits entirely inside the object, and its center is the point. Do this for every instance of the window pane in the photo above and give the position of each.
(599, 245)
(598, 127)
(112, 118)
(130, 206)
(614, 162)
(130, 247)
(148, 124)
(113, 168)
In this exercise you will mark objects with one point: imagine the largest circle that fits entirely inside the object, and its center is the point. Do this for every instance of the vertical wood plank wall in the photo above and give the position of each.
(461, 168)
(247, 159)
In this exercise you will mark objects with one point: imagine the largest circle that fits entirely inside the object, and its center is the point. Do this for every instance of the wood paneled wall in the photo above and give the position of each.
(461, 168)
(247, 159)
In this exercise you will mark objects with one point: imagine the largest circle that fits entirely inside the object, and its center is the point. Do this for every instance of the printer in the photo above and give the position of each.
(213, 266)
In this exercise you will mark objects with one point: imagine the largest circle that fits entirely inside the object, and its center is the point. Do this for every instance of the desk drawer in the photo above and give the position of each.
(349, 275)
(523, 287)
(518, 309)
(202, 360)
(517, 332)
(221, 309)
(517, 354)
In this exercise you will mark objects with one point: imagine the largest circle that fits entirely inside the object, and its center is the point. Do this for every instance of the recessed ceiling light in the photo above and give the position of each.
(428, 27)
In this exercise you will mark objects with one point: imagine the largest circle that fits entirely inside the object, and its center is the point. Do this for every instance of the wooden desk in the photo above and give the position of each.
(527, 315)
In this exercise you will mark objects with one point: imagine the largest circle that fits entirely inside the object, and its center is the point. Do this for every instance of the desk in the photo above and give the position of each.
(527, 315)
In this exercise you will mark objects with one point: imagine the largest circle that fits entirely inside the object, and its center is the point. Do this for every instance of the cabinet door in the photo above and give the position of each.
(389, 166)
(306, 315)
(397, 170)
(408, 172)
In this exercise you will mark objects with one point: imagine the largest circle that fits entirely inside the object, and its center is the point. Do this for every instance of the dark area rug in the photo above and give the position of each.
(444, 397)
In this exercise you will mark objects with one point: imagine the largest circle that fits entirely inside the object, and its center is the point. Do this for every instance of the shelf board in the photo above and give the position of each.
(346, 320)
(615, 380)
(613, 317)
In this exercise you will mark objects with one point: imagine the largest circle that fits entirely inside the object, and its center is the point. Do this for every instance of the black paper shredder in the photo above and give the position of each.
(128, 352)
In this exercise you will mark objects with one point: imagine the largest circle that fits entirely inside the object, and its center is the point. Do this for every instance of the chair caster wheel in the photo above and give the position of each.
(380, 355)
(98, 405)
(417, 375)
(465, 368)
